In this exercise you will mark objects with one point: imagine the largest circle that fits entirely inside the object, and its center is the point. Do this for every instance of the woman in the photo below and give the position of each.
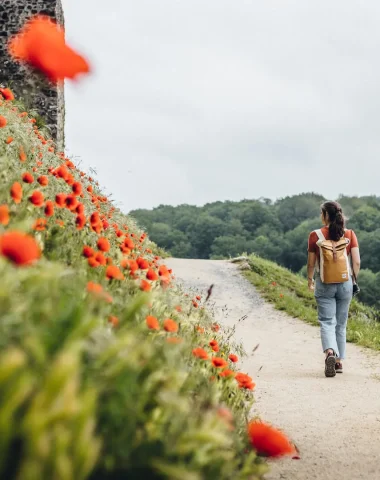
(333, 299)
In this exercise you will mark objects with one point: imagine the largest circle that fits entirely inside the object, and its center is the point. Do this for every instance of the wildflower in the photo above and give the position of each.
(60, 199)
(142, 263)
(16, 192)
(71, 202)
(93, 262)
(152, 323)
(145, 286)
(103, 244)
(80, 221)
(274, 284)
(170, 325)
(200, 353)
(174, 340)
(40, 43)
(178, 308)
(195, 305)
(233, 358)
(245, 381)
(27, 177)
(88, 251)
(215, 327)
(49, 208)
(113, 272)
(76, 188)
(9, 140)
(3, 122)
(214, 345)
(37, 198)
(100, 258)
(218, 362)
(7, 94)
(269, 441)
(198, 297)
(4, 214)
(200, 329)
(80, 209)
(40, 224)
(152, 275)
(22, 155)
(19, 248)
(43, 180)
(227, 373)
(114, 321)
(281, 295)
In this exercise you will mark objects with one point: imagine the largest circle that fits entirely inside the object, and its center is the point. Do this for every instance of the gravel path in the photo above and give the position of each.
(335, 422)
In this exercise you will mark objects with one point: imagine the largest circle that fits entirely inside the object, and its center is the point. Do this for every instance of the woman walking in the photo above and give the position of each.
(334, 252)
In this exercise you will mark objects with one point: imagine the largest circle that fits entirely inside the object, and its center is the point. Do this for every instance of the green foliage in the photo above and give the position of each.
(289, 293)
(275, 231)
(82, 398)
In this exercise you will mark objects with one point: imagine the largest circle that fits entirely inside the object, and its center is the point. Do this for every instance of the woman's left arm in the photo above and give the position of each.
(311, 259)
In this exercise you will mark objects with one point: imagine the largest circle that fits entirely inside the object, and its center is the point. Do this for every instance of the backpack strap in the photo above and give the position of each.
(321, 237)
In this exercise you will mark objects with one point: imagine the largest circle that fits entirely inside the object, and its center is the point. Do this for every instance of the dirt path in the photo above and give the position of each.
(335, 422)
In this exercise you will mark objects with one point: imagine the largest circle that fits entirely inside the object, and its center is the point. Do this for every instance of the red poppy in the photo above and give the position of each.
(88, 251)
(94, 287)
(100, 258)
(37, 198)
(200, 353)
(3, 122)
(7, 94)
(103, 244)
(170, 325)
(60, 199)
(4, 214)
(215, 327)
(145, 286)
(40, 224)
(93, 262)
(43, 180)
(151, 275)
(80, 221)
(114, 321)
(227, 373)
(41, 43)
(49, 208)
(22, 155)
(77, 188)
(233, 358)
(9, 140)
(269, 441)
(113, 272)
(27, 177)
(152, 323)
(218, 362)
(71, 202)
(16, 192)
(142, 263)
(19, 248)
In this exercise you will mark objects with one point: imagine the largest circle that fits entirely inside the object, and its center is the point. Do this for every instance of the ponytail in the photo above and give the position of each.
(336, 220)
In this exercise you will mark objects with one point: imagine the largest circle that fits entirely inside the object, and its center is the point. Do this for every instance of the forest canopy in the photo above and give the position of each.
(275, 230)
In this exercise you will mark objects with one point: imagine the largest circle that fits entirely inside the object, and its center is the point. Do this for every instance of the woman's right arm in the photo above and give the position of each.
(355, 255)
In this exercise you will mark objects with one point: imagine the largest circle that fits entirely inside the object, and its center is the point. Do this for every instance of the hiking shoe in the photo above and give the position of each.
(339, 367)
(330, 365)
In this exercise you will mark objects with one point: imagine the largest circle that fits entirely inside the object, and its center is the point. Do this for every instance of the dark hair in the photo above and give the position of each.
(336, 219)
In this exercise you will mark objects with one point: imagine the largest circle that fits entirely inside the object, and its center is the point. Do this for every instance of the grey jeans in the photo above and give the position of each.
(333, 301)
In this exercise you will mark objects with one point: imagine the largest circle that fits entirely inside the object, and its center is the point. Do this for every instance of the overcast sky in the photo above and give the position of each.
(193, 101)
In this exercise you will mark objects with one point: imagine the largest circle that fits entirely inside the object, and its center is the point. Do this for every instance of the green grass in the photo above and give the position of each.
(289, 293)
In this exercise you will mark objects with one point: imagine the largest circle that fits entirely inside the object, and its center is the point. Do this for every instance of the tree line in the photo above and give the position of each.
(275, 230)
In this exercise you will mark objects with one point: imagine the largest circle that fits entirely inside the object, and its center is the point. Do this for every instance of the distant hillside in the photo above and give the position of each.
(276, 231)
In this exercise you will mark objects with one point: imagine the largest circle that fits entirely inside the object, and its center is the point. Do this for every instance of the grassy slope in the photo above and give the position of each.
(289, 292)
(81, 397)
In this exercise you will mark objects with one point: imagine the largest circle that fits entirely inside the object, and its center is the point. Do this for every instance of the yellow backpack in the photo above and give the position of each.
(334, 264)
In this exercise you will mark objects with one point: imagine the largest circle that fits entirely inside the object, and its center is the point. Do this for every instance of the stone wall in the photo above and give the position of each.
(38, 94)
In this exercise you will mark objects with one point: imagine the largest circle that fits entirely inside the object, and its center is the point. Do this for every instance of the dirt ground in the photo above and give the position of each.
(335, 422)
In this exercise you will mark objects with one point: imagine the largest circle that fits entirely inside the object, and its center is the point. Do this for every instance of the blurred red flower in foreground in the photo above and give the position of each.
(269, 441)
(41, 43)
(19, 248)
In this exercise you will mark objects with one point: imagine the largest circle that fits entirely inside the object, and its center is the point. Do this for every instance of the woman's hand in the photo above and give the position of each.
(310, 284)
